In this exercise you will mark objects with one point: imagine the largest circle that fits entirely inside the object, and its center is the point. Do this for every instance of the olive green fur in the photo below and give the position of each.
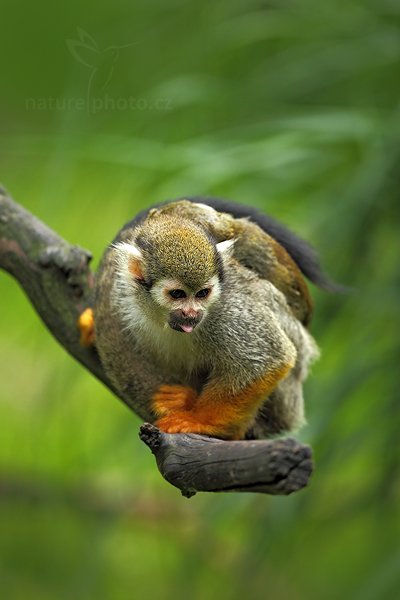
(163, 238)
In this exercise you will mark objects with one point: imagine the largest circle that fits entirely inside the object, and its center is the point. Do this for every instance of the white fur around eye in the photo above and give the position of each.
(159, 291)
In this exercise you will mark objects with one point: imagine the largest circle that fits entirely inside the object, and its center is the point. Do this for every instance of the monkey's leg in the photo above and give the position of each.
(281, 412)
(86, 327)
(218, 410)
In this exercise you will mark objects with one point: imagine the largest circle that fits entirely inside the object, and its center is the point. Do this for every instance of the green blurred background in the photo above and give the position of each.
(292, 107)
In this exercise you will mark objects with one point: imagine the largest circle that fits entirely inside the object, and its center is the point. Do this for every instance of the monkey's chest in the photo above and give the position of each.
(179, 354)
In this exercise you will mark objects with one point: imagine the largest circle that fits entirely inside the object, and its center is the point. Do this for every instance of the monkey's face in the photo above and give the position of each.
(184, 308)
(170, 277)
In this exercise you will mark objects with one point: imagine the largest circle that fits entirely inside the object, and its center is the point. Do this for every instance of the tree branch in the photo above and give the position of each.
(57, 279)
(54, 274)
(196, 463)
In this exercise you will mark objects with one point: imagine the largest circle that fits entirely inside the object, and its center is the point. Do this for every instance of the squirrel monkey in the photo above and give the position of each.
(200, 319)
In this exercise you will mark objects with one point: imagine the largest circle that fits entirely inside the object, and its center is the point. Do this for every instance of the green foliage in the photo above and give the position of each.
(294, 108)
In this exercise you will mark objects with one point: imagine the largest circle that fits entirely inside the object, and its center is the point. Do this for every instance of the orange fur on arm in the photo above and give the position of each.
(217, 411)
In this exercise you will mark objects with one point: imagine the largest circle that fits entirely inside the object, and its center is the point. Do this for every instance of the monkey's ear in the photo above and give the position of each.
(133, 258)
(225, 248)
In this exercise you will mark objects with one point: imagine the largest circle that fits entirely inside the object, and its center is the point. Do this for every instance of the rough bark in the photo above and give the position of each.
(196, 463)
(57, 279)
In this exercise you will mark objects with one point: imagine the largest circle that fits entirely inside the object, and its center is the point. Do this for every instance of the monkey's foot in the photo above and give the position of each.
(172, 398)
(86, 327)
(183, 422)
(188, 422)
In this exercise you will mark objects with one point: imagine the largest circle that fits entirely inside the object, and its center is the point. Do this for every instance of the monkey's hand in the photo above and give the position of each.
(171, 398)
(86, 327)
(174, 405)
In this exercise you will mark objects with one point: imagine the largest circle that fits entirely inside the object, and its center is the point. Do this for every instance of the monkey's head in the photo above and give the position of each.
(172, 270)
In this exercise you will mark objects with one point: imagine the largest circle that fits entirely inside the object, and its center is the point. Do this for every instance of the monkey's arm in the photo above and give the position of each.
(219, 410)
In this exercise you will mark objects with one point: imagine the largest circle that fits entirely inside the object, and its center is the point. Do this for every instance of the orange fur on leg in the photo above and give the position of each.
(86, 327)
(216, 411)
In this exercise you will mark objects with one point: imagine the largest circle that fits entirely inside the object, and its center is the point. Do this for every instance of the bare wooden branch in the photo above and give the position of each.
(196, 463)
(57, 279)
(54, 274)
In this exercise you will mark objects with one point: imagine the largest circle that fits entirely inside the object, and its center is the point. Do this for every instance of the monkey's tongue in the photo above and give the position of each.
(187, 328)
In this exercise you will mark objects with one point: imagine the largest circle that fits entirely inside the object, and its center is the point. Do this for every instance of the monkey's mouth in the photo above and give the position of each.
(184, 325)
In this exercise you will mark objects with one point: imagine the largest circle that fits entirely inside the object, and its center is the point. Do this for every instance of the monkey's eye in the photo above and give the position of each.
(203, 293)
(176, 294)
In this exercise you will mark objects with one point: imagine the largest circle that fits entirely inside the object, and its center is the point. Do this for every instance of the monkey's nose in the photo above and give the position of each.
(189, 313)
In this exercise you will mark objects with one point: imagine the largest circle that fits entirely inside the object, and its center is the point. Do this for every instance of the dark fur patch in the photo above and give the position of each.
(146, 284)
